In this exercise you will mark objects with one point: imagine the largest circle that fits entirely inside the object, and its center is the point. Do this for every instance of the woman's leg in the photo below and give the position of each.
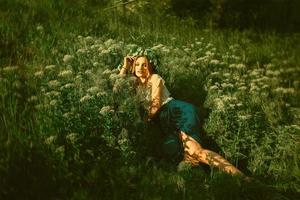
(194, 153)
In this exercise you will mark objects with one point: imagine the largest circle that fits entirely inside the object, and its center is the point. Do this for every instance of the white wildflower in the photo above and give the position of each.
(226, 74)
(81, 51)
(114, 77)
(104, 52)
(102, 94)
(100, 49)
(165, 49)
(236, 77)
(265, 86)
(244, 117)
(53, 83)
(232, 65)
(233, 57)
(67, 86)
(157, 46)
(231, 105)
(60, 150)
(295, 126)
(276, 73)
(192, 64)
(109, 42)
(279, 90)
(254, 87)
(214, 87)
(119, 84)
(239, 104)
(241, 66)
(214, 62)
(65, 73)
(95, 64)
(39, 74)
(50, 67)
(89, 39)
(67, 115)
(231, 47)
(215, 74)
(270, 66)
(227, 85)
(53, 94)
(107, 72)
(219, 104)
(78, 79)
(32, 99)
(10, 69)
(204, 58)
(227, 80)
(289, 91)
(50, 140)
(242, 88)
(40, 28)
(86, 98)
(254, 73)
(90, 152)
(72, 137)
(209, 53)
(53, 102)
(228, 98)
(209, 45)
(106, 110)
(68, 58)
(39, 106)
(187, 49)
(95, 46)
(93, 90)
(88, 72)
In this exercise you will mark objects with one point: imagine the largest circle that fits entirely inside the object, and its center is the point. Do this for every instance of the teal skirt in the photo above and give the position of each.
(174, 117)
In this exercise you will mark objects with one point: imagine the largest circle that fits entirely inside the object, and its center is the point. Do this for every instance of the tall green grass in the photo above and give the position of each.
(35, 34)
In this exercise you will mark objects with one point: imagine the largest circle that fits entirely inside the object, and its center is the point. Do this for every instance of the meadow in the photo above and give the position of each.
(72, 128)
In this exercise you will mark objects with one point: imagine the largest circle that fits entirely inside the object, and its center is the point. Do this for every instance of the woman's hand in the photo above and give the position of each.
(128, 62)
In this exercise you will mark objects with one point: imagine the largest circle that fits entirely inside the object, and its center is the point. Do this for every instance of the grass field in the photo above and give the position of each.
(70, 127)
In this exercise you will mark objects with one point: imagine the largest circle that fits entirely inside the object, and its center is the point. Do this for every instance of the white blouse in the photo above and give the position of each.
(155, 80)
(147, 93)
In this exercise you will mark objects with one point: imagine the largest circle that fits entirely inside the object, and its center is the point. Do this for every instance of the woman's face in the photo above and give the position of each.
(141, 67)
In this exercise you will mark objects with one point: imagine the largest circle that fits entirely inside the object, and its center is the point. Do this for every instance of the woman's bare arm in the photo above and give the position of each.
(156, 100)
(123, 71)
(128, 62)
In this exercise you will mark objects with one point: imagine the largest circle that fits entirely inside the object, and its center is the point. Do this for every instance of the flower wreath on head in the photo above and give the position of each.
(149, 53)
(151, 56)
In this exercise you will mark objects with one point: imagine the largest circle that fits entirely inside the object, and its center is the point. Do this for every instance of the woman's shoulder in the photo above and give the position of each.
(156, 77)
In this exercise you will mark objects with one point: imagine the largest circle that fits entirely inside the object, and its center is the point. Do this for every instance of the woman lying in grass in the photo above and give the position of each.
(178, 119)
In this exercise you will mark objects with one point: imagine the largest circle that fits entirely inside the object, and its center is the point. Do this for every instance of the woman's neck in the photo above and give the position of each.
(144, 80)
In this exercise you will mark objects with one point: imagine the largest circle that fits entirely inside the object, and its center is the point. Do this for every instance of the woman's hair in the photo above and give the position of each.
(149, 65)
